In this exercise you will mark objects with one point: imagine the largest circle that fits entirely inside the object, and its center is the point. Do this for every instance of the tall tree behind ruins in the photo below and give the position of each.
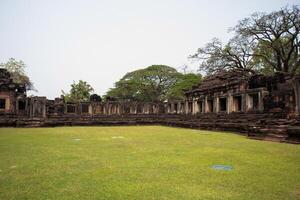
(263, 42)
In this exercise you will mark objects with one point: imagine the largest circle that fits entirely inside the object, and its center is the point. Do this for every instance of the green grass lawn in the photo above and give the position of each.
(143, 162)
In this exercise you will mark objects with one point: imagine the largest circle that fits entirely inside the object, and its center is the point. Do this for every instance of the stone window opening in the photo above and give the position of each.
(71, 109)
(84, 108)
(151, 110)
(182, 108)
(21, 105)
(127, 110)
(175, 108)
(139, 109)
(199, 105)
(2, 103)
(210, 106)
(237, 103)
(223, 104)
(169, 108)
(253, 101)
(190, 107)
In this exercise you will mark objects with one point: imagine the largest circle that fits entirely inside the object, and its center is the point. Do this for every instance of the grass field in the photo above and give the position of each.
(143, 162)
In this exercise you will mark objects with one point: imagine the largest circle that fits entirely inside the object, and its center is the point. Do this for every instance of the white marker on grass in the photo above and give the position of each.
(117, 137)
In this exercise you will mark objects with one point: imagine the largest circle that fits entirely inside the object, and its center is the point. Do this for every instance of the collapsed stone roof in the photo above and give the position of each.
(222, 79)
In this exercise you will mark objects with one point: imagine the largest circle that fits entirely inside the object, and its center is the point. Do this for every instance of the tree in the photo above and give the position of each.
(185, 82)
(17, 70)
(235, 55)
(277, 37)
(151, 84)
(79, 92)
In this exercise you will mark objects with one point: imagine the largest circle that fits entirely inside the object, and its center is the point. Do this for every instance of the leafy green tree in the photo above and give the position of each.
(152, 84)
(185, 82)
(17, 71)
(79, 92)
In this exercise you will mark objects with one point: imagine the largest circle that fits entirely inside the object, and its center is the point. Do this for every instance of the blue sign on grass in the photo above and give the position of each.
(222, 167)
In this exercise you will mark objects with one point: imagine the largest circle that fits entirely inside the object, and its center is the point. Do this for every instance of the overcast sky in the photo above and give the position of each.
(99, 41)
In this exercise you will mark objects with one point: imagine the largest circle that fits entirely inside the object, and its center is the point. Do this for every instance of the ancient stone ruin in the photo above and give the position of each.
(261, 106)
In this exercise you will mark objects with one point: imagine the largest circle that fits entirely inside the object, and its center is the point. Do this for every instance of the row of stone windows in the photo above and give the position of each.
(252, 104)
(21, 104)
(72, 108)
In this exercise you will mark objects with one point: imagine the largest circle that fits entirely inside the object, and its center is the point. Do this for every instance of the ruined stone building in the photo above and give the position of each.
(241, 92)
(12, 95)
(226, 100)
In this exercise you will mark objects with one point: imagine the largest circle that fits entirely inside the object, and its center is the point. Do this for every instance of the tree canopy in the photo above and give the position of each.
(184, 83)
(215, 56)
(263, 42)
(154, 83)
(279, 33)
(79, 92)
(17, 70)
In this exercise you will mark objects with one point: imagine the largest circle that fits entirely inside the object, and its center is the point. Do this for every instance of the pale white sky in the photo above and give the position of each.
(100, 40)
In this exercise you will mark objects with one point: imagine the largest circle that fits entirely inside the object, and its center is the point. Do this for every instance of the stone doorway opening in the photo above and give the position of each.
(237, 103)
(223, 104)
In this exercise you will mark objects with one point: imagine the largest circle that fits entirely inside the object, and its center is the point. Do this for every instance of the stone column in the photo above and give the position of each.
(247, 102)
(104, 109)
(260, 101)
(296, 87)
(109, 108)
(206, 105)
(243, 106)
(229, 103)
(172, 108)
(186, 110)
(216, 107)
(179, 107)
(90, 109)
(44, 107)
(193, 106)
(203, 106)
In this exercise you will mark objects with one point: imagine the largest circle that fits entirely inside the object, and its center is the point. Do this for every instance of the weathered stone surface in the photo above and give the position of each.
(256, 105)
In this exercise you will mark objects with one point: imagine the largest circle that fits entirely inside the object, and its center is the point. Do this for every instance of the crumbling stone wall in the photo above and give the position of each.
(10, 95)
(227, 101)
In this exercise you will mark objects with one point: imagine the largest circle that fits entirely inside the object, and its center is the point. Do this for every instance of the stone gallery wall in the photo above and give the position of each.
(238, 101)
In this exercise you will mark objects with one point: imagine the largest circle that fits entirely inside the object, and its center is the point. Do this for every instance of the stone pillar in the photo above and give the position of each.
(135, 109)
(296, 87)
(109, 108)
(247, 102)
(229, 103)
(195, 106)
(206, 105)
(44, 107)
(243, 106)
(120, 109)
(216, 105)
(90, 109)
(172, 108)
(104, 109)
(186, 110)
(260, 101)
